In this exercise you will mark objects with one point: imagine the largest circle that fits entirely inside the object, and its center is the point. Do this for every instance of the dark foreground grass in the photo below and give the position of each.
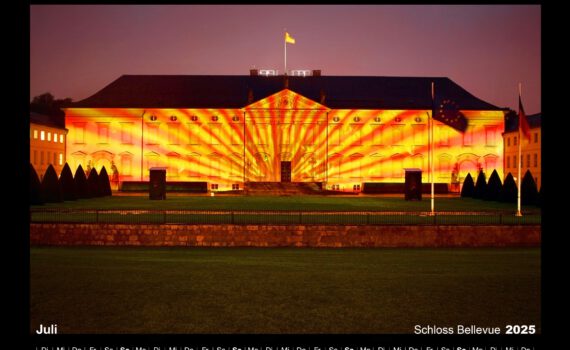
(126, 290)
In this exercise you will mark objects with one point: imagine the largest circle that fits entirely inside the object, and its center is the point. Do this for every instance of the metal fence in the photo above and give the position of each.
(246, 217)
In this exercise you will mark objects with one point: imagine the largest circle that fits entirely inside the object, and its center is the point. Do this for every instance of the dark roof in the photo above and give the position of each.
(231, 91)
(512, 121)
(46, 120)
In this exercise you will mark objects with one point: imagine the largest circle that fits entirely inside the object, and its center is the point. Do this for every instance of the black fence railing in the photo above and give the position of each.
(257, 217)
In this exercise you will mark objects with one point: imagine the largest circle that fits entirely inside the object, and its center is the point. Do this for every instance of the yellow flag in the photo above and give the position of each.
(289, 39)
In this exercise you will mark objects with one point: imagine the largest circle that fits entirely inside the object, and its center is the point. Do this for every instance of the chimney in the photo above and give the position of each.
(253, 72)
(316, 72)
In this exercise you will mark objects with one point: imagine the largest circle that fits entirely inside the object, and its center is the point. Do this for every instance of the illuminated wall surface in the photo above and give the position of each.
(228, 147)
(47, 146)
(530, 154)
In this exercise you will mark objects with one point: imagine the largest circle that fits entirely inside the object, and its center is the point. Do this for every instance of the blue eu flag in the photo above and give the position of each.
(448, 113)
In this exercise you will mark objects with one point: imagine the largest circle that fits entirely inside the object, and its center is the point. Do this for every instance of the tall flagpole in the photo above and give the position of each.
(285, 45)
(519, 180)
(430, 123)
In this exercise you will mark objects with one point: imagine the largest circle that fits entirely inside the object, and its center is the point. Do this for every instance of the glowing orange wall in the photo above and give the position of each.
(50, 150)
(339, 147)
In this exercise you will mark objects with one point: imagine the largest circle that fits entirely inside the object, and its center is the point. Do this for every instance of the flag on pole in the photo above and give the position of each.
(448, 113)
(289, 39)
(525, 128)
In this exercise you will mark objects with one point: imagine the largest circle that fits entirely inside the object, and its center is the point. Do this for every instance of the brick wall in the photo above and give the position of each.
(283, 235)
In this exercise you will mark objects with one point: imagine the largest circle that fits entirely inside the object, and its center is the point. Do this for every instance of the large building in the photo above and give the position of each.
(342, 131)
(47, 143)
(530, 149)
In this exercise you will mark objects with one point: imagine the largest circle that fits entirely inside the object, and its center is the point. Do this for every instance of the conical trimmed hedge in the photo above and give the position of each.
(50, 186)
(529, 192)
(36, 197)
(93, 183)
(480, 186)
(67, 184)
(104, 183)
(510, 190)
(468, 187)
(81, 186)
(494, 187)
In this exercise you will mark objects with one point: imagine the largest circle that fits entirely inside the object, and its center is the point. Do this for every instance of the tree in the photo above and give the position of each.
(529, 192)
(93, 183)
(104, 183)
(50, 186)
(494, 187)
(47, 104)
(510, 191)
(480, 186)
(36, 197)
(468, 187)
(81, 186)
(67, 184)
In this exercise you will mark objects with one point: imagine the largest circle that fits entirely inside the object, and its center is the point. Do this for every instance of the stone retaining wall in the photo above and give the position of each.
(334, 236)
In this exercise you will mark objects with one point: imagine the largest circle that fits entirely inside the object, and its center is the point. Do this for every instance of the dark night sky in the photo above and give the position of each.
(76, 50)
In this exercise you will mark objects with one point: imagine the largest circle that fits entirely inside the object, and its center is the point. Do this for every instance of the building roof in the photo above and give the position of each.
(512, 121)
(46, 120)
(232, 91)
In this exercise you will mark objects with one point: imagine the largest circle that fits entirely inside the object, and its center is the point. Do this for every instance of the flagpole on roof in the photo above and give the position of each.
(519, 180)
(285, 45)
(431, 145)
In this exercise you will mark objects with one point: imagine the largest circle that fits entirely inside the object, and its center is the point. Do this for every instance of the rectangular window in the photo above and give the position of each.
(79, 133)
(468, 136)
(214, 134)
(535, 137)
(397, 135)
(54, 158)
(309, 132)
(42, 135)
(237, 134)
(173, 131)
(356, 134)
(35, 134)
(55, 137)
(285, 134)
(514, 141)
(490, 133)
(49, 136)
(102, 132)
(152, 134)
(35, 157)
(377, 135)
(420, 135)
(61, 159)
(335, 135)
(508, 141)
(508, 162)
(126, 165)
(442, 135)
(60, 138)
(528, 160)
(41, 157)
(535, 160)
(262, 134)
(194, 131)
(127, 133)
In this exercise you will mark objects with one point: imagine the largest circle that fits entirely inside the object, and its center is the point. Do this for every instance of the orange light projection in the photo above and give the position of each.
(285, 132)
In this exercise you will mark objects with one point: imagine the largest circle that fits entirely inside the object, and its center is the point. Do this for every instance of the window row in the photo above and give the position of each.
(47, 157)
(515, 164)
(534, 139)
(46, 135)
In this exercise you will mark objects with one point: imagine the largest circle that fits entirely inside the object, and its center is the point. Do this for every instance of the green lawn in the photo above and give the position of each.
(305, 203)
(122, 290)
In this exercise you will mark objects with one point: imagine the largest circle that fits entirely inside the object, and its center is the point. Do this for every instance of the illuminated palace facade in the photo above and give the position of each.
(230, 130)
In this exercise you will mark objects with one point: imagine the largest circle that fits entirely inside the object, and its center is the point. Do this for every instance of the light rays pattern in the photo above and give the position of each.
(233, 146)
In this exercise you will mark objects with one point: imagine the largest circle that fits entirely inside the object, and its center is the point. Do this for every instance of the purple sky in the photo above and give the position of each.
(76, 50)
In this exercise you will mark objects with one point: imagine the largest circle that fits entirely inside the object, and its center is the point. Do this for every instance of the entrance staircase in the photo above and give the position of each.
(282, 188)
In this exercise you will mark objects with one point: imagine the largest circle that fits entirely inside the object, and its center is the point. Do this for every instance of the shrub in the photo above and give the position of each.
(468, 187)
(67, 184)
(50, 186)
(480, 186)
(494, 187)
(36, 197)
(81, 186)
(510, 191)
(104, 183)
(93, 183)
(529, 192)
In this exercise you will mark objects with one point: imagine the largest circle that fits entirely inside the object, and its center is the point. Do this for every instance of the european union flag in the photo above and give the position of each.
(448, 113)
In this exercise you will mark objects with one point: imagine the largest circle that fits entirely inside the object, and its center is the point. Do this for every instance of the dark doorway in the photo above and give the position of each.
(285, 171)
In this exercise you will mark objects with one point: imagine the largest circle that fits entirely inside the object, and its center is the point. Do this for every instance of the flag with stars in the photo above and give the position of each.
(447, 112)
